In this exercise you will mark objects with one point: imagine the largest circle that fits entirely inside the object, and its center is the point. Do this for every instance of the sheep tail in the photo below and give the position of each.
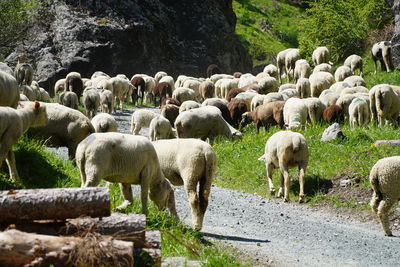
(206, 179)
(380, 108)
(375, 184)
(296, 143)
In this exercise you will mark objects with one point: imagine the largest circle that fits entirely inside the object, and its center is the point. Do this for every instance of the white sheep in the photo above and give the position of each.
(286, 86)
(268, 85)
(342, 73)
(247, 97)
(272, 70)
(284, 150)
(4, 67)
(328, 97)
(141, 118)
(262, 75)
(13, 123)
(344, 101)
(280, 63)
(271, 97)
(104, 122)
(125, 159)
(385, 104)
(188, 104)
(44, 95)
(91, 101)
(214, 78)
(303, 87)
(354, 90)
(104, 83)
(382, 51)
(226, 85)
(99, 74)
(257, 100)
(212, 101)
(246, 79)
(23, 73)
(358, 112)
(193, 84)
(204, 122)
(354, 81)
(320, 81)
(301, 69)
(288, 93)
(106, 101)
(66, 127)
(354, 62)
(23, 97)
(183, 94)
(28, 91)
(320, 55)
(207, 89)
(385, 182)
(191, 163)
(160, 128)
(324, 67)
(121, 91)
(159, 75)
(337, 87)
(290, 61)
(68, 99)
(59, 86)
(315, 109)
(9, 92)
(295, 113)
(169, 80)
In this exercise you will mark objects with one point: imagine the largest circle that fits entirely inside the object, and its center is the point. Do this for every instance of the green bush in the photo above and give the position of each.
(341, 25)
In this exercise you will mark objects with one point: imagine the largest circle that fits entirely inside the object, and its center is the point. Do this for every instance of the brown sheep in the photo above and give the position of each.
(161, 90)
(236, 108)
(74, 83)
(333, 113)
(170, 112)
(169, 100)
(233, 92)
(224, 110)
(206, 89)
(265, 115)
(140, 86)
(212, 69)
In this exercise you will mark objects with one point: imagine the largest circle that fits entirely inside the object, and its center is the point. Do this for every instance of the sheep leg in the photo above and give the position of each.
(282, 185)
(197, 215)
(10, 160)
(286, 180)
(375, 200)
(375, 65)
(126, 190)
(383, 210)
(270, 171)
(302, 170)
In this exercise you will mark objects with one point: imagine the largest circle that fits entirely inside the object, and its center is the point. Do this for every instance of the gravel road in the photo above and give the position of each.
(287, 234)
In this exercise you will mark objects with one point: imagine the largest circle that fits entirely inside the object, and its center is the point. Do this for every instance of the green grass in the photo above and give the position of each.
(39, 168)
(266, 27)
(238, 167)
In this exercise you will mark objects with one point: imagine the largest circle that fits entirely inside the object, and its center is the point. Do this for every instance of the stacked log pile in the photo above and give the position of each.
(72, 227)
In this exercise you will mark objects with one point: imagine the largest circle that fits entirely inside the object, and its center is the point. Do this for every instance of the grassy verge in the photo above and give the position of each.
(39, 168)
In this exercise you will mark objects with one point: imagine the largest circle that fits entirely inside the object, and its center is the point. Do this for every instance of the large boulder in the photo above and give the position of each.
(396, 36)
(179, 37)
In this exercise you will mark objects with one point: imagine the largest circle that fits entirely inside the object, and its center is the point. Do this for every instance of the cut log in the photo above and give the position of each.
(387, 143)
(127, 227)
(150, 254)
(54, 204)
(26, 249)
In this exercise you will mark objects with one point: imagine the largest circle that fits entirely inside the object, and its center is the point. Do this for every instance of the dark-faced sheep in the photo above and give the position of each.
(333, 113)
(170, 112)
(265, 115)
(140, 87)
(236, 109)
(382, 51)
(162, 90)
(73, 83)
(233, 93)
(212, 69)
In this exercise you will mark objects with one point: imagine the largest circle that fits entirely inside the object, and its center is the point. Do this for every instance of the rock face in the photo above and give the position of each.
(179, 37)
(396, 35)
(332, 132)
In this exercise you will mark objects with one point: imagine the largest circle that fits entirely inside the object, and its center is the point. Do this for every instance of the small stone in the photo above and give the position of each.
(332, 132)
(345, 183)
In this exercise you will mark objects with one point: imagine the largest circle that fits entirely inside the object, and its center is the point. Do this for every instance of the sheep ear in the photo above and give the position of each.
(37, 105)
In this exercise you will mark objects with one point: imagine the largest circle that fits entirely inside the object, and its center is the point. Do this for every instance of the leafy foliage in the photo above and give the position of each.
(341, 25)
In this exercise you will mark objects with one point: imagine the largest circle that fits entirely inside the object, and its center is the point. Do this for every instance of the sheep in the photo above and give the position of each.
(247, 97)
(315, 108)
(324, 67)
(150, 83)
(288, 93)
(271, 97)
(23, 73)
(320, 81)
(386, 104)
(159, 75)
(280, 63)
(91, 101)
(162, 90)
(237, 74)
(328, 97)
(303, 87)
(9, 92)
(337, 87)
(212, 70)
(169, 100)
(66, 127)
(295, 113)
(191, 163)
(125, 159)
(355, 90)
(354, 81)
(36, 89)
(189, 104)
(193, 84)
(206, 89)
(333, 113)
(59, 86)
(104, 84)
(354, 62)
(342, 73)
(170, 112)
(257, 100)
(68, 99)
(268, 85)
(160, 128)
(320, 55)
(214, 78)
(246, 79)
(385, 182)
(23, 97)
(44, 95)
(169, 80)
(106, 101)
(99, 74)
(140, 85)
(182, 94)
(236, 108)
(212, 101)
(223, 107)
(254, 87)
(382, 51)
(265, 115)
(233, 93)
(28, 91)
(4, 67)
(284, 150)
(286, 86)
(141, 118)
(204, 122)
(73, 82)
(290, 60)
(226, 85)
(358, 112)
(14, 122)
(104, 122)
(301, 69)
(272, 70)
(262, 75)
(121, 90)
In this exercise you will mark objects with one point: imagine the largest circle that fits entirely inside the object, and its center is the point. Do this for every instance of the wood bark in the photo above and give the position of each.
(54, 204)
(150, 254)
(127, 227)
(387, 143)
(26, 249)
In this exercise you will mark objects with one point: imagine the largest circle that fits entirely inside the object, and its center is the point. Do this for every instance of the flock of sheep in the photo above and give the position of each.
(199, 108)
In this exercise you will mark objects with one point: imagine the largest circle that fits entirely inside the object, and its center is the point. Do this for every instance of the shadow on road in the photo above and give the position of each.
(235, 238)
